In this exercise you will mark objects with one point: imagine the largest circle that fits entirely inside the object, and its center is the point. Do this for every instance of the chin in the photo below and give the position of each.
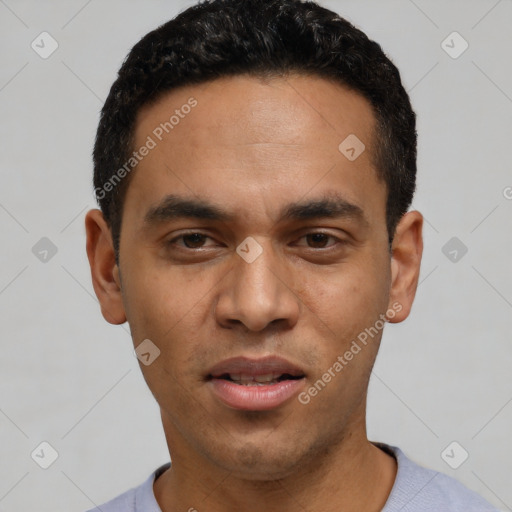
(266, 460)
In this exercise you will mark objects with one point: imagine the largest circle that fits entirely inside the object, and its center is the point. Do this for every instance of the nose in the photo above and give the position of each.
(258, 294)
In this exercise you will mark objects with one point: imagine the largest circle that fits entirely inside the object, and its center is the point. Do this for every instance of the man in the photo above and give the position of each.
(254, 164)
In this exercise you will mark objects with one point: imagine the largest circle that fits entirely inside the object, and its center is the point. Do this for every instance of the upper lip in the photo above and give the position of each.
(255, 367)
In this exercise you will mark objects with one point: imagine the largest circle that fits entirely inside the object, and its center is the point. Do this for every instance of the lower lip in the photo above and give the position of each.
(255, 398)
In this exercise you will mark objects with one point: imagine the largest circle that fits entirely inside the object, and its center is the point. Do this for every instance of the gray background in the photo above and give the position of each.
(71, 379)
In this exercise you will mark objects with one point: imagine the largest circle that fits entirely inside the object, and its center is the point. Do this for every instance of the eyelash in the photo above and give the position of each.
(184, 235)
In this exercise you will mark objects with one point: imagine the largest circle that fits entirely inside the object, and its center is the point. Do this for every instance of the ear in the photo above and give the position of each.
(407, 249)
(104, 270)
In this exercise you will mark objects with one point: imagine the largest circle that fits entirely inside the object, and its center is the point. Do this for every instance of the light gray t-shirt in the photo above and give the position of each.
(416, 489)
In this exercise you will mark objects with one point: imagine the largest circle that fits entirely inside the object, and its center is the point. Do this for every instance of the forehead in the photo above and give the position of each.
(251, 142)
(274, 110)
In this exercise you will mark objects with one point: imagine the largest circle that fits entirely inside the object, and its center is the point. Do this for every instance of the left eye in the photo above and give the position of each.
(318, 239)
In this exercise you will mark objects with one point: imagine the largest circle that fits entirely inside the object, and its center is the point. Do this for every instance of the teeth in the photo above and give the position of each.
(266, 378)
(245, 379)
(249, 380)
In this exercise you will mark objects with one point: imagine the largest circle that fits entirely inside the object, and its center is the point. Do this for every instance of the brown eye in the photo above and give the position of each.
(194, 240)
(318, 240)
(189, 241)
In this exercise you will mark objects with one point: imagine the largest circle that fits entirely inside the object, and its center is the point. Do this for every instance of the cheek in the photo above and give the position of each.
(152, 307)
(171, 307)
(346, 300)
(159, 296)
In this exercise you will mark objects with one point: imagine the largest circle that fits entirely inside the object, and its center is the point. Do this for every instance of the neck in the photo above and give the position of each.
(351, 475)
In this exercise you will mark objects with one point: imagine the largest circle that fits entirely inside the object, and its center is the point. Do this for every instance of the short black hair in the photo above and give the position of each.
(265, 38)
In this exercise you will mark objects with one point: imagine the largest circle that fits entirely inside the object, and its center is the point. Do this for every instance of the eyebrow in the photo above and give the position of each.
(174, 207)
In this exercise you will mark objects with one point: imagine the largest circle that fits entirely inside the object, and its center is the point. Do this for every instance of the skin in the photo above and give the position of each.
(251, 147)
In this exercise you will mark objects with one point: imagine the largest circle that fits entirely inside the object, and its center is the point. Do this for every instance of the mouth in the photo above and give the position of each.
(255, 384)
(268, 379)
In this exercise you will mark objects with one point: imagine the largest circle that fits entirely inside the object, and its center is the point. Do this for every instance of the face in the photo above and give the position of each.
(253, 254)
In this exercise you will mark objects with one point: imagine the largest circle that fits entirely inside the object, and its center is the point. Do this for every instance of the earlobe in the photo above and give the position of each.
(104, 270)
(407, 250)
